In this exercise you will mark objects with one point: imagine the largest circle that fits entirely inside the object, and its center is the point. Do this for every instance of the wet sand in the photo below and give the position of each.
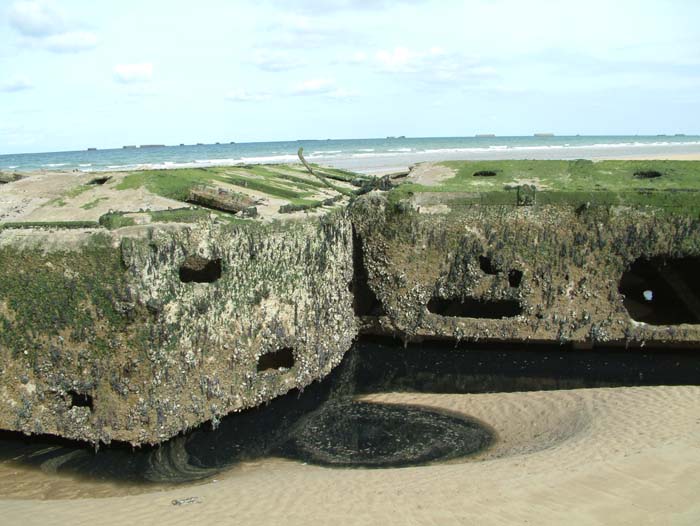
(586, 456)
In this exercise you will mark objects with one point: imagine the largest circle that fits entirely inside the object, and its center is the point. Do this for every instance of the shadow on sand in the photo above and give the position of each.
(326, 425)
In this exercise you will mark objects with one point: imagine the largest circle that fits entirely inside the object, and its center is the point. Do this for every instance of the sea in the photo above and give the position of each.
(361, 155)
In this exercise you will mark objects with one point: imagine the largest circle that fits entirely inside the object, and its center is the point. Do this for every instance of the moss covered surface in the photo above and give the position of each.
(111, 318)
(570, 262)
(62, 293)
(284, 182)
(49, 224)
(187, 195)
(670, 185)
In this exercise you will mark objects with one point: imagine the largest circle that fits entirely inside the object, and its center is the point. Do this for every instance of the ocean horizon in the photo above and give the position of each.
(362, 155)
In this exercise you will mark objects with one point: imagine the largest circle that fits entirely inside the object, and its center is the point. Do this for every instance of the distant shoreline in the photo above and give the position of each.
(362, 155)
(401, 167)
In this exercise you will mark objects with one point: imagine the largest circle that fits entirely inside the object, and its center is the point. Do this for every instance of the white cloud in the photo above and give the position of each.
(358, 57)
(133, 73)
(43, 26)
(329, 6)
(276, 60)
(353, 59)
(433, 65)
(300, 23)
(70, 42)
(400, 59)
(324, 87)
(35, 19)
(314, 87)
(241, 95)
(311, 31)
(304, 31)
(16, 84)
(342, 93)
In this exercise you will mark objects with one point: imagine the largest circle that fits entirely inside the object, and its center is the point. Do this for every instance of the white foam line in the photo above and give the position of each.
(215, 161)
(271, 159)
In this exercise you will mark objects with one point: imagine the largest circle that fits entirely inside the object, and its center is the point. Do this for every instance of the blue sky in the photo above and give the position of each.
(78, 73)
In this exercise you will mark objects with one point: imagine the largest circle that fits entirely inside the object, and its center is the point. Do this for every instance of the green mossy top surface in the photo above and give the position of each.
(122, 199)
(580, 182)
(284, 182)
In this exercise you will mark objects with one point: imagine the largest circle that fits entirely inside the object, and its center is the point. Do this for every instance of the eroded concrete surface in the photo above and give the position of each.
(129, 314)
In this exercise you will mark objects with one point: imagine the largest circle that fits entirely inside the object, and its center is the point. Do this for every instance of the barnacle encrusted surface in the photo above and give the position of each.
(131, 308)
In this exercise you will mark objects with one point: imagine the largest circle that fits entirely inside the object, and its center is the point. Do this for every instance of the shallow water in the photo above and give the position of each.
(373, 435)
(327, 425)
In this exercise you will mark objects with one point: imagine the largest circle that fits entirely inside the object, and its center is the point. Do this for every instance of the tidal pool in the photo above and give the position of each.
(374, 435)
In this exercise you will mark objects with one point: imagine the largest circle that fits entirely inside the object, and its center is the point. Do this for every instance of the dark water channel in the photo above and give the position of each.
(326, 425)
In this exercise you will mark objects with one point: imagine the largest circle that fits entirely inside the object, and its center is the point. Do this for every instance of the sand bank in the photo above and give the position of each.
(585, 457)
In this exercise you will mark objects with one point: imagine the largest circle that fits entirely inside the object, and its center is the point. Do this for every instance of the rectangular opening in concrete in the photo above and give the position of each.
(196, 269)
(280, 359)
(662, 291)
(475, 308)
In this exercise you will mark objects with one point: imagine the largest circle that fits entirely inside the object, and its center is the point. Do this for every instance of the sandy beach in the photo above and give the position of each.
(584, 457)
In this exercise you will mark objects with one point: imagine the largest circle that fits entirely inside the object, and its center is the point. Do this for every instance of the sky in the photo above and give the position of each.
(80, 73)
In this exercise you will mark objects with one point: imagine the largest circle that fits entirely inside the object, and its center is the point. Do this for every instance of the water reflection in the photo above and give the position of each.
(326, 425)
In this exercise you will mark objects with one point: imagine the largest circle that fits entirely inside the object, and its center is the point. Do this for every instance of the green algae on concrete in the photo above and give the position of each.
(113, 320)
(670, 185)
(124, 199)
(96, 307)
(283, 182)
(455, 255)
(117, 291)
(45, 295)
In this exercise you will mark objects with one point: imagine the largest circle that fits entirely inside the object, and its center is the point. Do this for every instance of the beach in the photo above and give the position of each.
(375, 156)
(583, 457)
